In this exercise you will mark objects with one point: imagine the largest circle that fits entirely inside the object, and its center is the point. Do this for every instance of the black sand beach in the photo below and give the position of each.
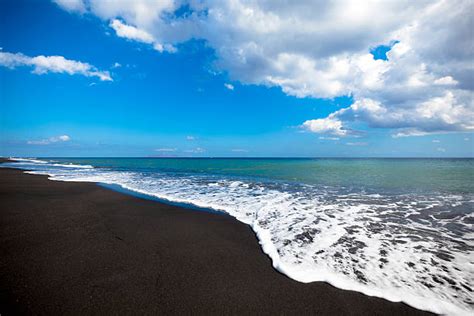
(78, 248)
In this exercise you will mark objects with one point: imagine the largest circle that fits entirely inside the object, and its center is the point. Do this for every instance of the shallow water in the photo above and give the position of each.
(401, 229)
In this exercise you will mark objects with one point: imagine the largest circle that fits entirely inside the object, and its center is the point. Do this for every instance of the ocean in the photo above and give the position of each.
(400, 229)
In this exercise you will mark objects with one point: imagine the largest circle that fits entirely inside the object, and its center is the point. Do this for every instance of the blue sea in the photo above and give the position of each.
(400, 229)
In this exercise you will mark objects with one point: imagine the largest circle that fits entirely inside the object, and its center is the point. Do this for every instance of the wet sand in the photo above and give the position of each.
(75, 248)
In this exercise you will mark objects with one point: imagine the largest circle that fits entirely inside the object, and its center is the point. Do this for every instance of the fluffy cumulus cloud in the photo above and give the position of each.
(51, 140)
(321, 49)
(140, 20)
(59, 64)
(326, 126)
(135, 34)
(131, 32)
(72, 5)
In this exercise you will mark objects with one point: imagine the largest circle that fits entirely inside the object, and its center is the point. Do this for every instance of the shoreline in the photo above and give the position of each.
(79, 247)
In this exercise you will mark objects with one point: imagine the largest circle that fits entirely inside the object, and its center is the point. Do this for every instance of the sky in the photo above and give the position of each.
(236, 78)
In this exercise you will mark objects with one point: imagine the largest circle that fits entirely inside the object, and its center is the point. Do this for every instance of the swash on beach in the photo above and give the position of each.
(400, 229)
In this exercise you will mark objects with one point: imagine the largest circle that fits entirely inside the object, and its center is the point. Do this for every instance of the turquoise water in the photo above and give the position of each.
(401, 229)
(446, 175)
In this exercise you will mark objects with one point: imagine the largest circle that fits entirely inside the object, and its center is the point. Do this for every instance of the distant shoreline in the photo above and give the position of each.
(79, 247)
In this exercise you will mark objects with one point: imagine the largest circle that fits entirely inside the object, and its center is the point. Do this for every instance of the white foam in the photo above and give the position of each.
(73, 166)
(384, 246)
(32, 160)
(52, 163)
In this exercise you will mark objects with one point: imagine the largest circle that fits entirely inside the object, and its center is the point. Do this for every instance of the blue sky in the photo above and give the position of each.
(128, 98)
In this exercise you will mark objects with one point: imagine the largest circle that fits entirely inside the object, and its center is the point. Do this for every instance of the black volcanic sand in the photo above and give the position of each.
(78, 248)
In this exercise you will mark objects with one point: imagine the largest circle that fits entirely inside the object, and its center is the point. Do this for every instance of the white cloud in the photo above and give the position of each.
(409, 132)
(131, 32)
(135, 34)
(239, 150)
(441, 149)
(229, 86)
(197, 150)
(164, 48)
(328, 138)
(51, 140)
(165, 149)
(72, 5)
(189, 137)
(143, 13)
(440, 114)
(328, 125)
(436, 141)
(58, 64)
(64, 138)
(466, 139)
(320, 49)
(448, 80)
(116, 65)
(357, 144)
